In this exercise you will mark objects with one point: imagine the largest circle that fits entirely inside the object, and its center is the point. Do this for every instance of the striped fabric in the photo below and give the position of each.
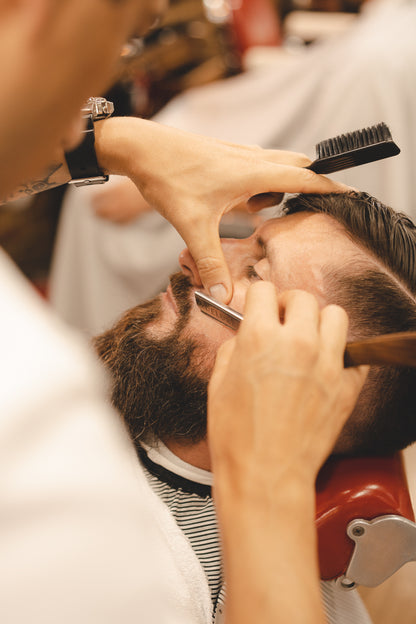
(195, 515)
(192, 507)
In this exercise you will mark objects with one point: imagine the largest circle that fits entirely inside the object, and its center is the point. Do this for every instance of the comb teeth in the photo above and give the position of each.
(353, 140)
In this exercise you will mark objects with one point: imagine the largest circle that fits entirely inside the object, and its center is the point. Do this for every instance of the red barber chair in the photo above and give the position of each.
(365, 520)
(255, 23)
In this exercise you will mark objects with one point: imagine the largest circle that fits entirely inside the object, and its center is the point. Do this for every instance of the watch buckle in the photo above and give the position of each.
(89, 181)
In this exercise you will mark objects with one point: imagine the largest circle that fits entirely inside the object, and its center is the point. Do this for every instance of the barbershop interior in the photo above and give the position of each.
(293, 75)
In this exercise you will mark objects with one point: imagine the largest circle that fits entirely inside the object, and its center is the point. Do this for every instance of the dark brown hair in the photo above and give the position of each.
(380, 299)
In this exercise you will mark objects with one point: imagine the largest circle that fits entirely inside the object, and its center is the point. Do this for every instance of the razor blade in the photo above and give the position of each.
(218, 311)
(390, 349)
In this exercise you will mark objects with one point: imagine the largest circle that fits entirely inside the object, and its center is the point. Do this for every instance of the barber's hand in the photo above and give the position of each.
(277, 400)
(193, 180)
(279, 391)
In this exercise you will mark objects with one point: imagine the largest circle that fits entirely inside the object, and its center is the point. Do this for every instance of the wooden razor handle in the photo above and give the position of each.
(394, 349)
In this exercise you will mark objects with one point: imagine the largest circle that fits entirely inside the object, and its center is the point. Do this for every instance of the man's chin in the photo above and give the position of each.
(157, 384)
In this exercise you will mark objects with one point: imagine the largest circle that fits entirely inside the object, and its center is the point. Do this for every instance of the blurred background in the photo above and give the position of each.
(197, 43)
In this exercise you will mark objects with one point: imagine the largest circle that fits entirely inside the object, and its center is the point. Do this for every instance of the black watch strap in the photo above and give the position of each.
(82, 161)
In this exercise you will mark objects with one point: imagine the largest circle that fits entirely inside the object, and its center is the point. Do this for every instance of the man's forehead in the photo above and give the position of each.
(300, 249)
(312, 221)
(299, 228)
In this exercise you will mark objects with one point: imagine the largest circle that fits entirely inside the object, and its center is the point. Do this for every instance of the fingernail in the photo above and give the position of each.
(218, 292)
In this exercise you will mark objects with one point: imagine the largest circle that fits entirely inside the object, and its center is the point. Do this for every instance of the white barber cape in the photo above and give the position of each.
(82, 537)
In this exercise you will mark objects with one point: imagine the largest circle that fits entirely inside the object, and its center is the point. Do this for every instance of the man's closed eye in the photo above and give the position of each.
(252, 273)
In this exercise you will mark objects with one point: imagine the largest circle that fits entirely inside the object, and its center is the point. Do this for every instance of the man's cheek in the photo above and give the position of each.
(206, 346)
(203, 360)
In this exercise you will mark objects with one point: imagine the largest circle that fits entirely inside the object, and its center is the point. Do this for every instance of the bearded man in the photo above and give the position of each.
(346, 249)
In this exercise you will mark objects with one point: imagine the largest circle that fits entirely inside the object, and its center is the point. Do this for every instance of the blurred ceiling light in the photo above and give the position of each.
(132, 48)
(217, 11)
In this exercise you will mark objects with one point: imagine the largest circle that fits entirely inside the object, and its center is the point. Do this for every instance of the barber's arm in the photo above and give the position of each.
(278, 399)
(193, 180)
(56, 175)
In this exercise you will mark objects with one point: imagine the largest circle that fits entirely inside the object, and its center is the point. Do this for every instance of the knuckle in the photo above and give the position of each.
(252, 333)
(308, 177)
(208, 265)
(330, 371)
(304, 349)
(258, 339)
(300, 159)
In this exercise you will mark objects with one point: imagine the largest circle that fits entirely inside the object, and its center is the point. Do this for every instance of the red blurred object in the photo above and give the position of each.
(350, 488)
(42, 287)
(255, 23)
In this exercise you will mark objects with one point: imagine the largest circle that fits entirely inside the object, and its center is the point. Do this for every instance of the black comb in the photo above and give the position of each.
(354, 148)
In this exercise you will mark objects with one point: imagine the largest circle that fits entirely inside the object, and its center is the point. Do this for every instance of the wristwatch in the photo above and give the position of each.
(82, 161)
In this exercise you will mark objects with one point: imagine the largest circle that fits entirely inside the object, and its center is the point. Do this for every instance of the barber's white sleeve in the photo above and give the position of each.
(78, 543)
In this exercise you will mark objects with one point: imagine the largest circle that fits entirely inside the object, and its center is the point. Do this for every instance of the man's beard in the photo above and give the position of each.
(154, 383)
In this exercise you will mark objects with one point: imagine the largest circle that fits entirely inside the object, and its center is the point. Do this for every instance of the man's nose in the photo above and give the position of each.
(232, 251)
(189, 267)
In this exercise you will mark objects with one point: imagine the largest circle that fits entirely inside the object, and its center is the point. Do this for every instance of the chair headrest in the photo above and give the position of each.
(366, 488)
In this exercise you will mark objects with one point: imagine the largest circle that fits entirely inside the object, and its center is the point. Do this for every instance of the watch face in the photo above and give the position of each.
(98, 107)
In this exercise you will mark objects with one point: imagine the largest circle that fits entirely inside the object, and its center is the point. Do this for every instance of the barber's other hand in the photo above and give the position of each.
(193, 180)
(277, 400)
(279, 390)
(120, 202)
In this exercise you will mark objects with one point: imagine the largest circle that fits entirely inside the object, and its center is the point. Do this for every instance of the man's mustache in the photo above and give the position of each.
(182, 291)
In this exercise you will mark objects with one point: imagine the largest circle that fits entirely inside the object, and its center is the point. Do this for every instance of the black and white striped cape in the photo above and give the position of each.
(191, 504)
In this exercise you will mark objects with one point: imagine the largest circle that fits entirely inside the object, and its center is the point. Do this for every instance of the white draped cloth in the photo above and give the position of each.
(82, 537)
(363, 77)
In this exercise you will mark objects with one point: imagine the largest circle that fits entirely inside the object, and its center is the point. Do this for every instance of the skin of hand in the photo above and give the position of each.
(278, 398)
(120, 202)
(193, 180)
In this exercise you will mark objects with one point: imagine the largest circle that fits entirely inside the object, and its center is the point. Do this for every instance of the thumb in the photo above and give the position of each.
(205, 248)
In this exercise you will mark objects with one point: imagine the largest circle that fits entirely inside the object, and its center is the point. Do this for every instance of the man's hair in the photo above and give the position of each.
(379, 298)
